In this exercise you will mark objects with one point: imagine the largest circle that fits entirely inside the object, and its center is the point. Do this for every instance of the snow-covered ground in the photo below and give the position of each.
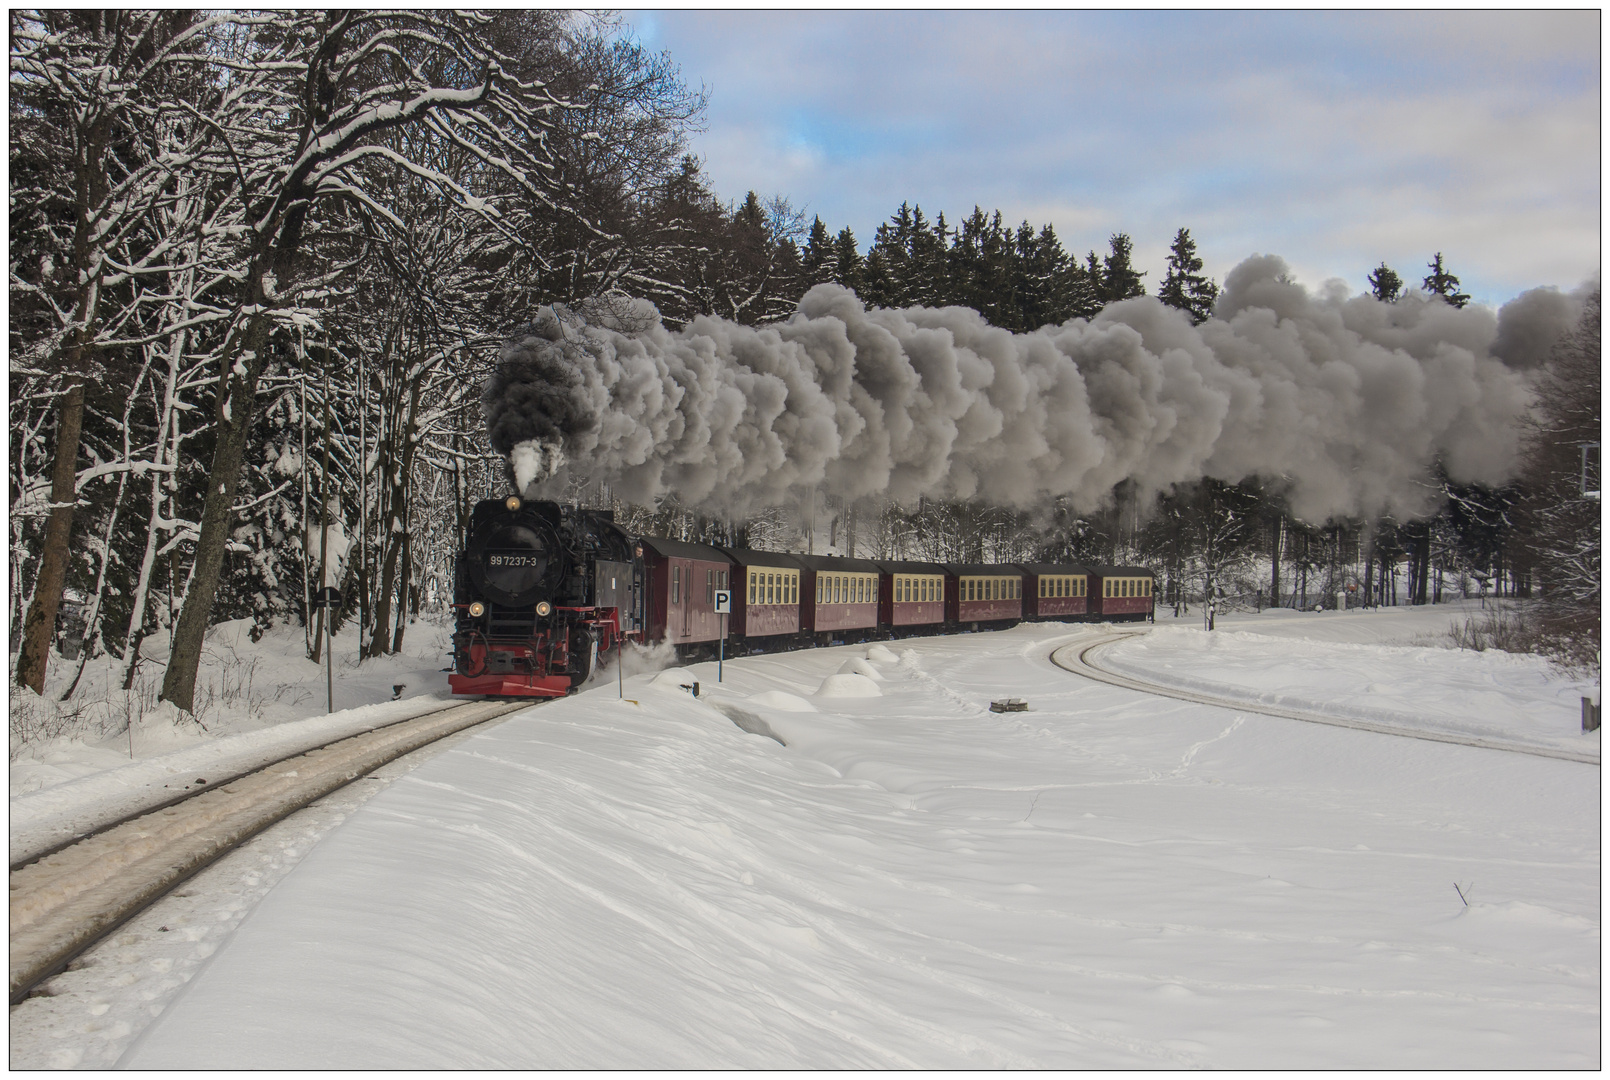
(1319, 662)
(243, 686)
(898, 877)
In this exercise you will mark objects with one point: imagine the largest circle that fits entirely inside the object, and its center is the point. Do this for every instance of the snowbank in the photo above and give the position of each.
(1113, 881)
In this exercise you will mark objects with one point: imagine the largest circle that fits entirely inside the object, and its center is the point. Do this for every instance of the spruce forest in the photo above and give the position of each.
(262, 265)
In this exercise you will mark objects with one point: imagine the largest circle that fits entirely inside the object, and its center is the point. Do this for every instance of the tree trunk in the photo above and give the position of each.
(1274, 562)
(40, 625)
(238, 392)
(1422, 555)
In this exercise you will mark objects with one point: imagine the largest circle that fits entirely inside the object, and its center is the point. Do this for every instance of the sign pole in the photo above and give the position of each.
(329, 657)
(328, 601)
(723, 606)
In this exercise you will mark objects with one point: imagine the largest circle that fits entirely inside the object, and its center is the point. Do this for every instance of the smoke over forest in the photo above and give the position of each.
(1344, 402)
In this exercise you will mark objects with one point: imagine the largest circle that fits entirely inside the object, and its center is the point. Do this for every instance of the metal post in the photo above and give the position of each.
(721, 656)
(620, 663)
(329, 658)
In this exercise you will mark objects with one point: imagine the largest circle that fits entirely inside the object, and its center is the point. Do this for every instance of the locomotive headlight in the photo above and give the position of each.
(512, 502)
(543, 607)
(477, 609)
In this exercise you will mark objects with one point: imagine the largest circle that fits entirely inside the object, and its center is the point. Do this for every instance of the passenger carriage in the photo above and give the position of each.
(979, 593)
(765, 596)
(1053, 591)
(911, 597)
(1122, 593)
(839, 598)
(683, 579)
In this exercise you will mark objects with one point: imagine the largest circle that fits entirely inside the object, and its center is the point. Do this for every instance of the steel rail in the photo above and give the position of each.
(64, 902)
(1082, 664)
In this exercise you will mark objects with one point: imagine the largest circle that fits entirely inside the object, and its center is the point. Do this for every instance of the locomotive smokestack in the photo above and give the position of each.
(1346, 401)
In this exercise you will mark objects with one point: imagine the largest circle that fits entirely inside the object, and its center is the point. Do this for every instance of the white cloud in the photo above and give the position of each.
(1336, 139)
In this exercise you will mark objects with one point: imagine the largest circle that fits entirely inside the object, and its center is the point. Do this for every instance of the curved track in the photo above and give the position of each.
(1077, 658)
(69, 898)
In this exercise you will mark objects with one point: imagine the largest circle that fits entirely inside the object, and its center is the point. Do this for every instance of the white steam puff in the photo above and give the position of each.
(533, 462)
(1344, 401)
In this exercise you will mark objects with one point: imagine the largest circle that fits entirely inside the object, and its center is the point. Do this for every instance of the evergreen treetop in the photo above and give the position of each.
(1183, 287)
(1441, 283)
(1385, 284)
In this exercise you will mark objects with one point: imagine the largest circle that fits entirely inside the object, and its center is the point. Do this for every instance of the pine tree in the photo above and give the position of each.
(926, 263)
(847, 262)
(1183, 287)
(1385, 284)
(1441, 283)
(1119, 279)
(819, 263)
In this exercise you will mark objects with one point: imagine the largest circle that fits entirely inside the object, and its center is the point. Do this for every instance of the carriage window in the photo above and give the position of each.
(676, 584)
(751, 586)
(793, 588)
(710, 587)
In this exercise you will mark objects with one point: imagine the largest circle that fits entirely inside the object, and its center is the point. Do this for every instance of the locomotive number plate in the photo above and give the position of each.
(514, 560)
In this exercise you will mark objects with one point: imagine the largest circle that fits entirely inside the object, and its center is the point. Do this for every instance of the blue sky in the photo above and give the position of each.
(1334, 139)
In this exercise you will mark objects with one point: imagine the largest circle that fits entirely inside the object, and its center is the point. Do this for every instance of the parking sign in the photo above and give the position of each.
(723, 601)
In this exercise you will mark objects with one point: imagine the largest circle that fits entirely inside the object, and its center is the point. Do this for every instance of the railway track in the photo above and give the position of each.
(65, 899)
(1077, 658)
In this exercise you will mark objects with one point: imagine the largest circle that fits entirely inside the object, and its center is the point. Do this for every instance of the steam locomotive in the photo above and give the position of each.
(542, 590)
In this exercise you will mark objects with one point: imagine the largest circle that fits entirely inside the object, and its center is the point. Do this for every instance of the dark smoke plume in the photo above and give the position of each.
(1344, 401)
